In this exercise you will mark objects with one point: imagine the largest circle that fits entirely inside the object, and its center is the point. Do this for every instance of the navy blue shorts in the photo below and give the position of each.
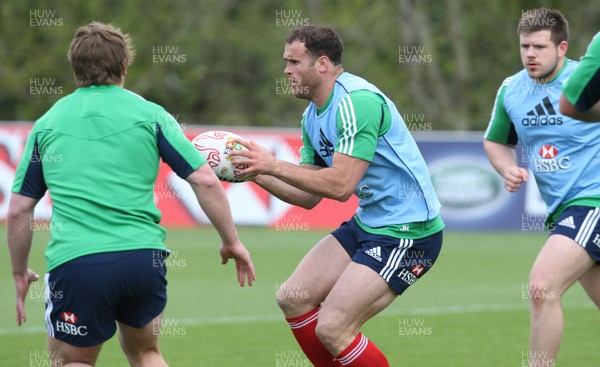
(400, 262)
(90, 293)
(580, 223)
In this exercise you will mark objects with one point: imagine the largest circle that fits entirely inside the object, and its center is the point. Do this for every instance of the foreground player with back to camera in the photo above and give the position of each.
(563, 155)
(105, 232)
(354, 141)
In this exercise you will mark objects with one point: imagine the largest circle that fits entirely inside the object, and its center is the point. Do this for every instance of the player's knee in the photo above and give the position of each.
(541, 293)
(334, 333)
(138, 352)
(62, 354)
(327, 332)
(289, 301)
(141, 357)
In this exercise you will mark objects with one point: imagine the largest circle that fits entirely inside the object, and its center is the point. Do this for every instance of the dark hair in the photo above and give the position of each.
(319, 40)
(100, 54)
(545, 19)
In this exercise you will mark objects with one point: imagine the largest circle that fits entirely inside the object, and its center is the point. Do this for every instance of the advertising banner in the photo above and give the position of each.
(471, 192)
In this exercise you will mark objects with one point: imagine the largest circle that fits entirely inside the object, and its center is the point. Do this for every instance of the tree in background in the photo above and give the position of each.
(220, 61)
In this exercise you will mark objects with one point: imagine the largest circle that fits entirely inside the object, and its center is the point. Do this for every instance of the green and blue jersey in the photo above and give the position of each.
(563, 153)
(395, 196)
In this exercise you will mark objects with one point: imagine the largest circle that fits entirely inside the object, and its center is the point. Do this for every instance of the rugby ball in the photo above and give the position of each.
(215, 146)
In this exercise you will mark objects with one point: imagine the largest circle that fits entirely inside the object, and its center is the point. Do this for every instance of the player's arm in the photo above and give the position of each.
(336, 182)
(19, 236)
(309, 160)
(213, 201)
(291, 194)
(288, 193)
(358, 123)
(504, 159)
(180, 154)
(580, 98)
(18, 231)
(568, 109)
(499, 145)
(29, 186)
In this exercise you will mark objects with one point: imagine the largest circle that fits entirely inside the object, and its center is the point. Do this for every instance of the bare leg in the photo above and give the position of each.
(590, 281)
(141, 345)
(67, 355)
(314, 277)
(359, 294)
(301, 295)
(559, 264)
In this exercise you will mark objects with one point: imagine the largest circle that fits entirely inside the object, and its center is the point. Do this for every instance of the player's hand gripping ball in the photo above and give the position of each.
(215, 146)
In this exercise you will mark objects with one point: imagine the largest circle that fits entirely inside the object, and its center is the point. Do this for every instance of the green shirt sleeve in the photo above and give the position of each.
(582, 88)
(29, 176)
(174, 147)
(362, 117)
(500, 129)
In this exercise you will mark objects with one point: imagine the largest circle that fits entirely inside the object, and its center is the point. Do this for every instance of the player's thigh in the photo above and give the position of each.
(590, 281)
(315, 275)
(359, 294)
(559, 264)
(570, 252)
(62, 353)
(382, 268)
(136, 341)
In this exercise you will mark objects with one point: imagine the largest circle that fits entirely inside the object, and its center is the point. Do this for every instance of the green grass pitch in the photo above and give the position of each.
(470, 310)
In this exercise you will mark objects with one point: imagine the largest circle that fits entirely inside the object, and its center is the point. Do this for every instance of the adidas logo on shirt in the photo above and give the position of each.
(568, 222)
(375, 253)
(543, 114)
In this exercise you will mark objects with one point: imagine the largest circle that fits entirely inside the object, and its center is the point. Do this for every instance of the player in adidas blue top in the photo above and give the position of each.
(355, 142)
(563, 154)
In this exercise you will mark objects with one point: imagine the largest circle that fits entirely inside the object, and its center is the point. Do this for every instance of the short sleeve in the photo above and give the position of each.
(359, 121)
(582, 89)
(500, 128)
(174, 147)
(29, 177)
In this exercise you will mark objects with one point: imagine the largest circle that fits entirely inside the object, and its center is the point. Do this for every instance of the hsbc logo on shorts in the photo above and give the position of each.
(407, 276)
(68, 325)
(417, 269)
(549, 161)
(69, 317)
